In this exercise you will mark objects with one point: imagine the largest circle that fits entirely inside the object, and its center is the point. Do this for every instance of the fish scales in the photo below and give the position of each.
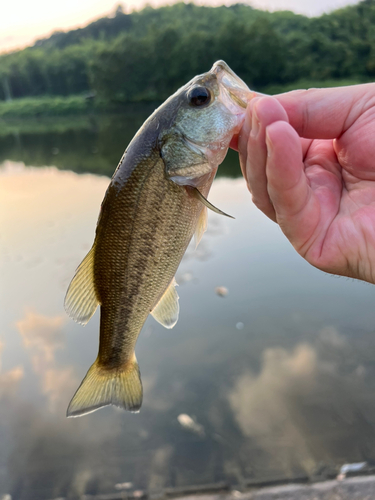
(154, 204)
(160, 212)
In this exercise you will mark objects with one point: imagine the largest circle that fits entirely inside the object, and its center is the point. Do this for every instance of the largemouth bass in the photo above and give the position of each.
(154, 204)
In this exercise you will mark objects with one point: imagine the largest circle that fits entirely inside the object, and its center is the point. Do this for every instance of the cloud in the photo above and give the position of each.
(261, 402)
(9, 380)
(71, 451)
(306, 406)
(59, 384)
(70, 448)
(329, 335)
(42, 337)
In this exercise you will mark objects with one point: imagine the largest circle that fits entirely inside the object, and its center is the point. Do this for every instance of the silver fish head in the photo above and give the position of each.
(213, 106)
(209, 110)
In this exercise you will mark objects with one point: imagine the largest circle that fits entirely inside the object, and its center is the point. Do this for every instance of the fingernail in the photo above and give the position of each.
(255, 123)
(269, 144)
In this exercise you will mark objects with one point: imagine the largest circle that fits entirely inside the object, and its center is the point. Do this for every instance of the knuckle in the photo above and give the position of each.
(263, 203)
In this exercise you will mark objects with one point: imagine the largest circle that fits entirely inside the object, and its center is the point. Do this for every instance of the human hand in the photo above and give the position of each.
(309, 161)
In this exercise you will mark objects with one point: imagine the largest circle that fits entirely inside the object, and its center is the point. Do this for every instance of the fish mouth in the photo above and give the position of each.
(236, 89)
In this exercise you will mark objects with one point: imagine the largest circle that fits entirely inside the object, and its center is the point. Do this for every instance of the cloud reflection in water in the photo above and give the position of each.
(282, 394)
(281, 406)
(42, 336)
(9, 380)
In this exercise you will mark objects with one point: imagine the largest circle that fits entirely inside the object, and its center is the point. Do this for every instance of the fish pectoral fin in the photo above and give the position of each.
(167, 309)
(197, 194)
(201, 226)
(120, 387)
(80, 299)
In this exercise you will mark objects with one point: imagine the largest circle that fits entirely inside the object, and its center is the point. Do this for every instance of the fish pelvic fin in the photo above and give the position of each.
(120, 387)
(81, 300)
(167, 309)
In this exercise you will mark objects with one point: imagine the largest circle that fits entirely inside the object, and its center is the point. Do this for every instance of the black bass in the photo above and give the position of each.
(154, 204)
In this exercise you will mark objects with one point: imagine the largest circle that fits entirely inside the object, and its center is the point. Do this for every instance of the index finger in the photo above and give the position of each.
(326, 113)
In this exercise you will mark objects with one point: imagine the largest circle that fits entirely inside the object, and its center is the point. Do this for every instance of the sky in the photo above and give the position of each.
(24, 21)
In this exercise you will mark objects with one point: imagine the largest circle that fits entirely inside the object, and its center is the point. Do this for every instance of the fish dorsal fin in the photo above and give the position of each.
(197, 194)
(81, 300)
(201, 226)
(167, 309)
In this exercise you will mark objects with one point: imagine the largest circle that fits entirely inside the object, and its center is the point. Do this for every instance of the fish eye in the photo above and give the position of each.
(199, 96)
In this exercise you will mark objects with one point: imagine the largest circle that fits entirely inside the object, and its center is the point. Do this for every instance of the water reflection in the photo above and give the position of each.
(42, 336)
(291, 391)
(92, 143)
(300, 406)
(83, 144)
(9, 380)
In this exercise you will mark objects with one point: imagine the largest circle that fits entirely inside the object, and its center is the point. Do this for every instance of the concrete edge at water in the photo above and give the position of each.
(361, 487)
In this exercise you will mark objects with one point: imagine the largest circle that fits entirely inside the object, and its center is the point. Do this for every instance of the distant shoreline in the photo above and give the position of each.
(44, 106)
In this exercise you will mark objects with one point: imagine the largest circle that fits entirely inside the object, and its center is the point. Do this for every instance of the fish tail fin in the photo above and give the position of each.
(120, 387)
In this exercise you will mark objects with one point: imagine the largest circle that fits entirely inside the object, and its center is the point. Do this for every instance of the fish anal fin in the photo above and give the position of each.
(201, 226)
(120, 387)
(81, 300)
(167, 309)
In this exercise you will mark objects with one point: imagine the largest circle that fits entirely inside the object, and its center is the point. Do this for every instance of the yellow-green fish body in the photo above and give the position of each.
(152, 208)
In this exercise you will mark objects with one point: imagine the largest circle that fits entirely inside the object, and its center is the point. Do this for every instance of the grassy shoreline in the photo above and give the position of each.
(44, 106)
(50, 106)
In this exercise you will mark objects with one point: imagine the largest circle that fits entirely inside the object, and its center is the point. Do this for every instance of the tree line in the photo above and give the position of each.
(147, 55)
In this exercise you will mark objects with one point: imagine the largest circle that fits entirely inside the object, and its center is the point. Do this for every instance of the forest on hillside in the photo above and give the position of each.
(147, 55)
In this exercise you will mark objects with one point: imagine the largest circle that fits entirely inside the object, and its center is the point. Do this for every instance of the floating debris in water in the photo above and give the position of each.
(236, 493)
(190, 424)
(240, 325)
(124, 486)
(184, 278)
(355, 467)
(221, 291)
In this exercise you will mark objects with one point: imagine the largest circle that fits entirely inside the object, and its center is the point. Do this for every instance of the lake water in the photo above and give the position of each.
(276, 379)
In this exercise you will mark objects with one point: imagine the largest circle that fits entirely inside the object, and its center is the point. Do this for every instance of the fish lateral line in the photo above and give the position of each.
(193, 191)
